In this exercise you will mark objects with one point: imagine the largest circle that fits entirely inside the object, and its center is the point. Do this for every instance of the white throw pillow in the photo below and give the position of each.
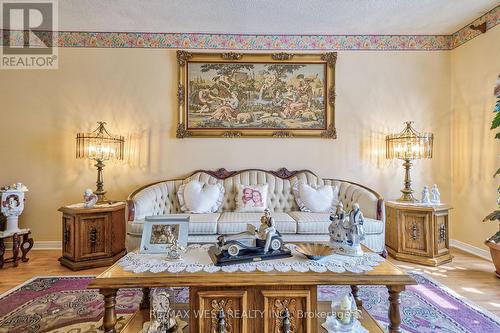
(197, 197)
(315, 199)
(251, 198)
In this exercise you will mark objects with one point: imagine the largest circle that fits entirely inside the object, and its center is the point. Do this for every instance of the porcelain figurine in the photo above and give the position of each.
(12, 205)
(262, 243)
(89, 198)
(347, 232)
(162, 320)
(337, 233)
(267, 229)
(356, 231)
(175, 251)
(345, 315)
(426, 199)
(435, 195)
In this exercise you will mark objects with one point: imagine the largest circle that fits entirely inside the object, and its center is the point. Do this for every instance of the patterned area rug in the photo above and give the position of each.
(63, 305)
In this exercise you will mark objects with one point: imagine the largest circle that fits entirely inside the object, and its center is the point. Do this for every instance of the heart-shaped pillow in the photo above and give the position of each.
(197, 197)
(319, 199)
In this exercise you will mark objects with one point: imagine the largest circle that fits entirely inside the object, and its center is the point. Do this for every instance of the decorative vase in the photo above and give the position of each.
(495, 255)
(12, 205)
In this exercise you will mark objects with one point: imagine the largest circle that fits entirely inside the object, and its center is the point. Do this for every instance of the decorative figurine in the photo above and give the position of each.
(175, 250)
(267, 229)
(12, 205)
(344, 316)
(347, 232)
(89, 198)
(337, 234)
(262, 243)
(162, 320)
(435, 195)
(426, 200)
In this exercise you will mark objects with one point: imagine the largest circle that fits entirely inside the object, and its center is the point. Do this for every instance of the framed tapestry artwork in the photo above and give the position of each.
(160, 233)
(256, 95)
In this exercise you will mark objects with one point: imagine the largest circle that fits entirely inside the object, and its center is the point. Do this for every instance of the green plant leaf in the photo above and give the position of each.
(497, 136)
(496, 121)
(492, 216)
(495, 238)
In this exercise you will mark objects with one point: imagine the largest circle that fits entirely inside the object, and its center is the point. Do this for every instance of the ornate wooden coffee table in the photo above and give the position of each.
(251, 300)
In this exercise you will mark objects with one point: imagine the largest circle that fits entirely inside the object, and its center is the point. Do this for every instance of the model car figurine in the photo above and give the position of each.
(251, 245)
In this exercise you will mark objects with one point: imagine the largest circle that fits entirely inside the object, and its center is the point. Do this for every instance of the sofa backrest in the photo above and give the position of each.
(161, 198)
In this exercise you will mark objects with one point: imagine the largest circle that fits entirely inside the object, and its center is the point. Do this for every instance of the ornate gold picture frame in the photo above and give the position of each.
(236, 95)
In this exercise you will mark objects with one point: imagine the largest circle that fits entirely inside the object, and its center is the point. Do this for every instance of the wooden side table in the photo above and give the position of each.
(418, 233)
(17, 245)
(92, 237)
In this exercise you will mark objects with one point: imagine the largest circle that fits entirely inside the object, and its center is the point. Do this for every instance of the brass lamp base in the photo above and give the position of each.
(407, 191)
(407, 197)
(101, 194)
(101, 198)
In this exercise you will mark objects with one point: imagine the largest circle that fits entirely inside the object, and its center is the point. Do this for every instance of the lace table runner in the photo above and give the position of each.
(196, 259)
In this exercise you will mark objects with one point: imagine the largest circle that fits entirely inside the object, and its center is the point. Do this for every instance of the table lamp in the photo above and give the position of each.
(99, 146)
(408, 145)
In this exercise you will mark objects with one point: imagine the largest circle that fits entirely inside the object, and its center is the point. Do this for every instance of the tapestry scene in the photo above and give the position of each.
(256, 95)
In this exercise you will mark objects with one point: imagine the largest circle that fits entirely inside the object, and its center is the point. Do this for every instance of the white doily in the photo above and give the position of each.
(196, 259)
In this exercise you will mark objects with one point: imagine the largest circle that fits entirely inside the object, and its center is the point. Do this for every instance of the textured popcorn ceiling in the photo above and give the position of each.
(342, 17)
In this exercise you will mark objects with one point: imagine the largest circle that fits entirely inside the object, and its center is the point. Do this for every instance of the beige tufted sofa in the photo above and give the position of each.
(161, 198)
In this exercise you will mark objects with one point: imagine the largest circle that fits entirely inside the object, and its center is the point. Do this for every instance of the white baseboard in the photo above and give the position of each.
(485, 254)
(40, 245)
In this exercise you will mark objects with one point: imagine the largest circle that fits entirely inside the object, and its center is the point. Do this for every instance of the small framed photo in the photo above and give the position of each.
(161, 232)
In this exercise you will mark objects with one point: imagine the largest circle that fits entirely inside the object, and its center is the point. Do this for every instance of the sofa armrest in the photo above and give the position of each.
(154, 199)
(380, 209)
(370, 202)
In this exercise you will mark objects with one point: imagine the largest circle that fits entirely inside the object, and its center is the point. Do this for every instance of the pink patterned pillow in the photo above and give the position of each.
(251, 198)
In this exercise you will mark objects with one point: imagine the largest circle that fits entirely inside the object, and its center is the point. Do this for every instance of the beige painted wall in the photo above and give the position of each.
(134, 91)
(474, 151)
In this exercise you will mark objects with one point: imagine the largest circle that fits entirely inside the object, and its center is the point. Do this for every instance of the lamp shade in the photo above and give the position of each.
(409, 144)
(99, 145)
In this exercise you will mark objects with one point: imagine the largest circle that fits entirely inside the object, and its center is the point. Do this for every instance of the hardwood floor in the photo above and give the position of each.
(468, 275)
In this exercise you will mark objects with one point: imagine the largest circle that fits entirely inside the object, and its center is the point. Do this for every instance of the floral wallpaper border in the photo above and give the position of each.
(492, 18)
(266, 42)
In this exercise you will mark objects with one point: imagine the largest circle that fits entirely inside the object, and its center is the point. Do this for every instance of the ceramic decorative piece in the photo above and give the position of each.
(344, 316)
(426, 199)
(161, 314)
(89, 198)
(314, 251)
(12, 203)
(175, 251)
(435, 195)
(181, 324)
(254, 244)
(347, 232)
